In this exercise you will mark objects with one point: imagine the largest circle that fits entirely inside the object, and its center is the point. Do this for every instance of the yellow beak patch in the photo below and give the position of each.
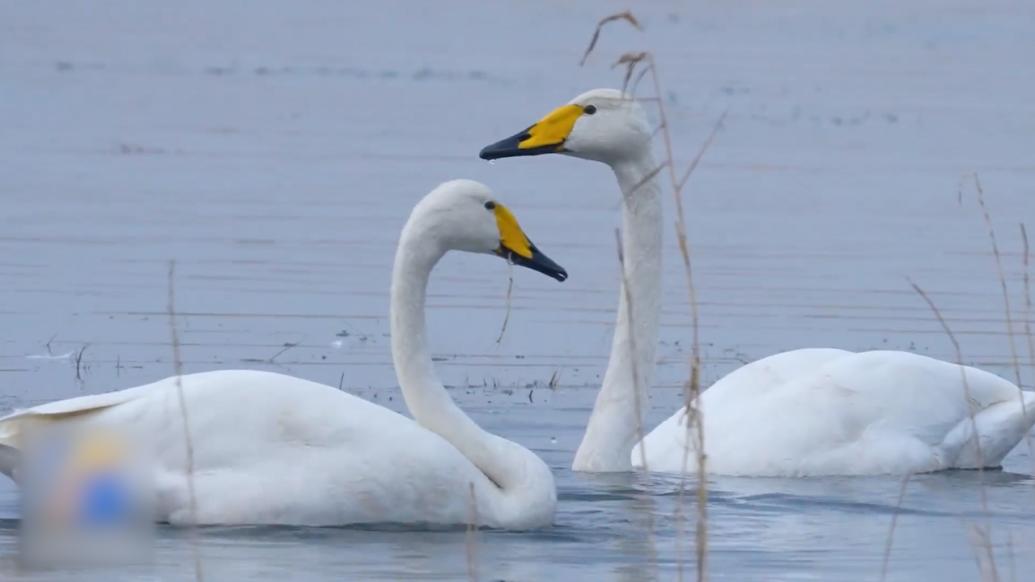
(512, 237)
(552, 129)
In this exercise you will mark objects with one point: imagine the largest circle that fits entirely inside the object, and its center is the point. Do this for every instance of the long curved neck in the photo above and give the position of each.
(521, 483)
(616, 423)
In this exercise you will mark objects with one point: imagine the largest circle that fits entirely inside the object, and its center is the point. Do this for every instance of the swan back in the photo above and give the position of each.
(831, 412)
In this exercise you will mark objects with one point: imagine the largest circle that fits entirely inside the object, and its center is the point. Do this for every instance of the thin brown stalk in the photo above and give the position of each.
(636, 83)
(637, 402)
(694, 426)
(650, 176)
(630, 60)
(986, 560)
(79, 363)
(981, 539)
(958, 353)
(510, 291)
(1000, 272)
(695, 423)
(471, 536)
(627, 16)
(692, 391)
(633, 348)
(1002, 278)
(891, 529)
(185, 417)
(702, 150)
(1028, 312)
(1010, 555)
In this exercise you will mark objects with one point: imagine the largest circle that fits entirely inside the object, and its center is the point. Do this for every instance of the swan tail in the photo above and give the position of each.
(10, 456)
(14, 426)
(10, 460)
(999, 428)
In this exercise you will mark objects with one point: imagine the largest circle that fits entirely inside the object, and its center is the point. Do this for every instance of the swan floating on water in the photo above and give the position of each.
(798, 413)
(274, 449)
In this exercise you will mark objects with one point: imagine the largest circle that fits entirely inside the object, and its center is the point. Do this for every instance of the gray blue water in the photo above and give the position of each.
(275, 150)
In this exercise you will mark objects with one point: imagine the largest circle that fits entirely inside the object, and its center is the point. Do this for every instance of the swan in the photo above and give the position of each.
(274, 449)
(804, 412)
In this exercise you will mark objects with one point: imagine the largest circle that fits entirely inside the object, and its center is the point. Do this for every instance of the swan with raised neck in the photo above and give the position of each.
(816, 411)
(607, 126)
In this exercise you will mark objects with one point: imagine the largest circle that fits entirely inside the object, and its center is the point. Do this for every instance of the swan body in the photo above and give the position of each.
(274, 449)
(833, 412)
(803, 412)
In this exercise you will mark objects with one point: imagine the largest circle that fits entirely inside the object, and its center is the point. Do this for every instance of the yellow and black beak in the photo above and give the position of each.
(545, 136)
(537, 261)
(517, 249)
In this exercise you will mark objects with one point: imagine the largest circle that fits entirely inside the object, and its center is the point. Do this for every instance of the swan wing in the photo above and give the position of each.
(14, 424)
(270, 448)
(862, 413)
(667, 443)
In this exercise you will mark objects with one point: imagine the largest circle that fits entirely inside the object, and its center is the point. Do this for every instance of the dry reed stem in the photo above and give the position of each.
(650, 176)
(630, 60)
(637, 402)
(188, 441)
(692, 390)
(1002, 278)
(989, 563)
(626, 16)
(891, 529)
(958, 352)
(510, 291)
(1028, 302)
(1011, 556)
(79, 363)
(981, 539)
(1000, 272)
(703, 150)
(694, 424)
(471, 536)
(636, 84)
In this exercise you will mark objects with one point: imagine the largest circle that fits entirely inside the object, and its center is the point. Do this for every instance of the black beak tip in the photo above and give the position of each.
(546, 266)
(506, 148)
(537, 262)
(509, 147)
(488, 153)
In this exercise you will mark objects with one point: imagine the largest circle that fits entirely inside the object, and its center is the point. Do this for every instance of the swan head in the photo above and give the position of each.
(605, 125)
(464, 215)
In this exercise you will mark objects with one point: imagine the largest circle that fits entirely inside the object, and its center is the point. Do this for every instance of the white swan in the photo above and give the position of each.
(273, 449)
(797, 413)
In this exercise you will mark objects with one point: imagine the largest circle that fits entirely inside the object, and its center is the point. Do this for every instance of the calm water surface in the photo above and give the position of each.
(275, 152)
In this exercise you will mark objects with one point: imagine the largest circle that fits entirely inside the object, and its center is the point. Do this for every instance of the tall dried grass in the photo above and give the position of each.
(648, 500)
(642, 64)
(188, 441)
(471, 535)
(639, 65)
(1028, 313)
(891, 529)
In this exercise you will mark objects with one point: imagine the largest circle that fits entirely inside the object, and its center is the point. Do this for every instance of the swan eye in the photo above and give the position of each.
(490, 205)
(590, 109)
